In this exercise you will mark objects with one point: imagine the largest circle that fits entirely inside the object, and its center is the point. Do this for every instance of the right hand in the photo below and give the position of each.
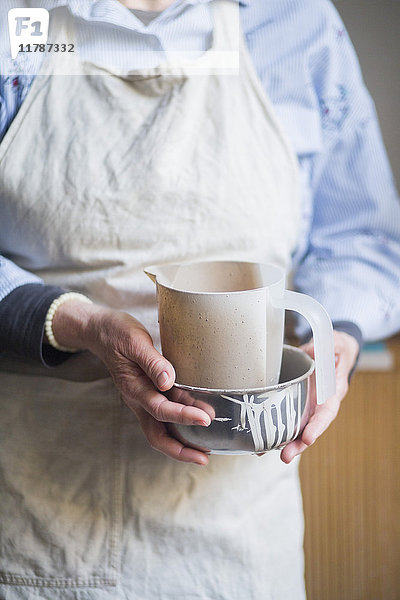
(137, 369)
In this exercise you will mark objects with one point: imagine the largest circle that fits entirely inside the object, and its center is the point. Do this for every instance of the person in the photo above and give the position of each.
(117, 156)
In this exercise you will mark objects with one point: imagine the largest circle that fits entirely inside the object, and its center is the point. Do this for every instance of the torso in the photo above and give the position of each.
(189, 166)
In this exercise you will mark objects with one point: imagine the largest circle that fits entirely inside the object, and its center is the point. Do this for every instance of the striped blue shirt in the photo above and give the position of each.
(349, 251)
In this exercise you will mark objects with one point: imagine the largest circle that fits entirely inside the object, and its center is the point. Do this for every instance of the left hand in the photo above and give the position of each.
(346, 351)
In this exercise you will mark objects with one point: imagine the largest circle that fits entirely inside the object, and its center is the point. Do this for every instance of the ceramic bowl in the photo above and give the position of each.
(250, 421)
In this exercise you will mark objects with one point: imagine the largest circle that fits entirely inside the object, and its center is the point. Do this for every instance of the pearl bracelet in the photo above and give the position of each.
(54, 306)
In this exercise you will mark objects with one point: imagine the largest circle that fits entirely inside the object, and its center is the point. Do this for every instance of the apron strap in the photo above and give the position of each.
(63, 32)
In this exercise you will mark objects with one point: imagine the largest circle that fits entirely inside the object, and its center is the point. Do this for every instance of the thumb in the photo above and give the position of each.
(156, 367)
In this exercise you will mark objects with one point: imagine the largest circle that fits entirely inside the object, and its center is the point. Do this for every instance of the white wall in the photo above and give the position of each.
(374, 27)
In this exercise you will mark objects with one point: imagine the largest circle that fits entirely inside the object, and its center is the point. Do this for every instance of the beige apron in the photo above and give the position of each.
(103, 174)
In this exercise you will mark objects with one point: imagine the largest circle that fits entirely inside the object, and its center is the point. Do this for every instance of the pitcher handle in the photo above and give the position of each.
(322, 330)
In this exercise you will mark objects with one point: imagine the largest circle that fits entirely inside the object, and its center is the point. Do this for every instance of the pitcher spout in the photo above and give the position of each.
(151, 272)
(164, 274)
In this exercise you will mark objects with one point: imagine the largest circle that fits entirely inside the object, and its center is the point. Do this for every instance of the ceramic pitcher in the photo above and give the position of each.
(222, 324)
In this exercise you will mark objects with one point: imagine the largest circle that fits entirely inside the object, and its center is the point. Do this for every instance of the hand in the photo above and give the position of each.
(138, 371)
(346, 351)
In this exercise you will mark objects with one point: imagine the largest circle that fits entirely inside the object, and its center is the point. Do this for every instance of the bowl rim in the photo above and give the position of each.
(253, 391)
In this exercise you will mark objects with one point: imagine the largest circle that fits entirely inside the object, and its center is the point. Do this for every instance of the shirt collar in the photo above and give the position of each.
(84, 9)
(241, 2)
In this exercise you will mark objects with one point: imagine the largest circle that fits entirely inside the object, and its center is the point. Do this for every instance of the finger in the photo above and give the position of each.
(159, 439)
(344, 365)
(323, 415)
(293, 449)
(308, 348)
(346, 349)
(159, 407)
(156, 367)
(320, 421)
(171, 412)
(185, 397)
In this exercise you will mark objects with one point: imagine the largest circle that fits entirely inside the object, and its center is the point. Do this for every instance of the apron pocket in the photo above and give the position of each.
(60, 478)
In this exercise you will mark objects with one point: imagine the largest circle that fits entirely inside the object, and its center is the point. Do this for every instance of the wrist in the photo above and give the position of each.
(71, 324)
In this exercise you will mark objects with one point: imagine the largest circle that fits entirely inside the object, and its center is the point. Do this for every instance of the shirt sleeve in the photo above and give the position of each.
(22, 318)
(13, 91)
(352, 263)
(24, 302)
(12, 276)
